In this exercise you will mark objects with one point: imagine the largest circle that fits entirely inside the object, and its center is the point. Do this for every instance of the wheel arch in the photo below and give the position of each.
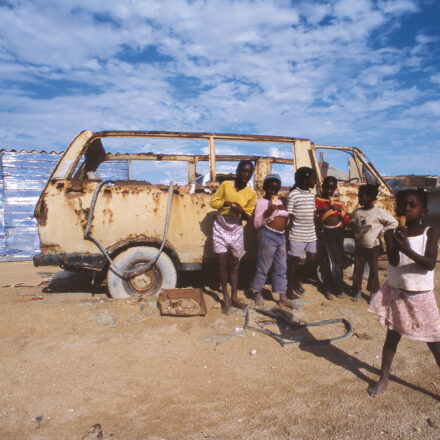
(125, 244)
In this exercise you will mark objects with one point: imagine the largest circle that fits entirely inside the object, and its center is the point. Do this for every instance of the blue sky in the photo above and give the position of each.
(362, 73)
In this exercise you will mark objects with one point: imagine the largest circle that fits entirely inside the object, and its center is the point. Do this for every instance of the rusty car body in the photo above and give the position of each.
(116, 228)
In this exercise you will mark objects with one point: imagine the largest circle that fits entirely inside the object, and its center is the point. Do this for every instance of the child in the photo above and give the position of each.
(270, 220)
(235, 202)
(333, 219)
(406, 302)
(368, 223)
(302, 235)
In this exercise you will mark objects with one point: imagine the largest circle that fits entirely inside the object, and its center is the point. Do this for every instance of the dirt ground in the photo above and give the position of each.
(76, 358)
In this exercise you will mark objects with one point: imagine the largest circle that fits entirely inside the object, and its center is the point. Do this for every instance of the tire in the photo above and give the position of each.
(162, 276)
(348, 268)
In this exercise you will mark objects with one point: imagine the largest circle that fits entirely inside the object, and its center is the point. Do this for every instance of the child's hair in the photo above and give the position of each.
(420, 193)
(329, 179)
(242, 163)
(301, 175)
(370, 190)
(274, 177)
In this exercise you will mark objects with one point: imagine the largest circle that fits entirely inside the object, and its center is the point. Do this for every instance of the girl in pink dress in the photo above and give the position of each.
(406, 302)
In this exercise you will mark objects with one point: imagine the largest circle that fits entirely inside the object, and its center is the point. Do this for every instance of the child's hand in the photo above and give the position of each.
(401, 238)
(236, 207)
(270, 210)
(322, 209)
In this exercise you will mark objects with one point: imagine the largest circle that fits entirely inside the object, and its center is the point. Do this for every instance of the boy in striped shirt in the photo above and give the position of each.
(302, 234)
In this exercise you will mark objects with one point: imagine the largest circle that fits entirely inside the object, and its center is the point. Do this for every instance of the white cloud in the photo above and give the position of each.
(435, 78)
(398, 6)
(312, 69)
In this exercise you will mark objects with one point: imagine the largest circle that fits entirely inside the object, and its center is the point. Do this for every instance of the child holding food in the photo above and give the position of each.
(270, 220)
(368, 223)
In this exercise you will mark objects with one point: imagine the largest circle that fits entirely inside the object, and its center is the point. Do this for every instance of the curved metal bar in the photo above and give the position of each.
(283, 342)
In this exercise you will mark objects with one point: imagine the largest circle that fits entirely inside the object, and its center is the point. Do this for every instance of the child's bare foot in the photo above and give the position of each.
(378, 388)
(357, 297)
(226, 309)
(340, 295)
(291, 294)
(286, 302)
(226, 306)
(328, 295)
(258, 299)
(235, 302)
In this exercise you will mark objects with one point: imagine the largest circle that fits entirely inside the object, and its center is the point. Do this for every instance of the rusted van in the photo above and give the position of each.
(141, 231)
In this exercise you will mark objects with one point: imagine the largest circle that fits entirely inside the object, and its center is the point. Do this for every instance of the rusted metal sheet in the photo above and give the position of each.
(432, 186)
(128, 211)
(412, 181)
(2, 211)
(181, 302)
(24, 175)
(348, 196)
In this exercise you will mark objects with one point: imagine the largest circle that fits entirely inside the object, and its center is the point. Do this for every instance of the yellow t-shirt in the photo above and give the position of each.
(246, 198)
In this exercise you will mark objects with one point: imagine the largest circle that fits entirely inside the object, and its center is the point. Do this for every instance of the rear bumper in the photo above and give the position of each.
(71, 260)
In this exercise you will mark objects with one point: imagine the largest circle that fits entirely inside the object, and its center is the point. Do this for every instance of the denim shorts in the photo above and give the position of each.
(299, 248)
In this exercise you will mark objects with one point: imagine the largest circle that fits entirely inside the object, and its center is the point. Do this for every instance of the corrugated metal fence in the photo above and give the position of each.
(22, 178)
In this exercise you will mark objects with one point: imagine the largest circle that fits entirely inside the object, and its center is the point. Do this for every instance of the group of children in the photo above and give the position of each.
(405, 303)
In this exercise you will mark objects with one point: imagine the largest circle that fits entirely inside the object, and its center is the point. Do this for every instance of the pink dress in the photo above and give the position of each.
(406, 301)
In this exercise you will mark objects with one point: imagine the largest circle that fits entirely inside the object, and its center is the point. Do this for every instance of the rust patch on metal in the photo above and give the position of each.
(50, 248)
(42, 213)
(108, 214)
(181, 302)
(83, 216)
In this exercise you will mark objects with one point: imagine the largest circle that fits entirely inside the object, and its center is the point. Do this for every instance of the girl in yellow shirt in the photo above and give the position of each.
(235, 201)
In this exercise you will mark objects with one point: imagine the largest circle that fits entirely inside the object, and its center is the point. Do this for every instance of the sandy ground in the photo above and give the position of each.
(76, 358)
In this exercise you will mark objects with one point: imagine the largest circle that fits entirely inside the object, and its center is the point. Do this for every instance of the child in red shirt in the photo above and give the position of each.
(332, 221)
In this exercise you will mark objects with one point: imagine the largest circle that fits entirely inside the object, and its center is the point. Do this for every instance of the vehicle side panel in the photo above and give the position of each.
(123, 212)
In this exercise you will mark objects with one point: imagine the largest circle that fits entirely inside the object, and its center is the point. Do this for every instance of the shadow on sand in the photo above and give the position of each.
(340, 358)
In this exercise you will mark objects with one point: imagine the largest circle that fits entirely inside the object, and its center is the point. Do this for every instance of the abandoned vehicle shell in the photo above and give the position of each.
(117, 226)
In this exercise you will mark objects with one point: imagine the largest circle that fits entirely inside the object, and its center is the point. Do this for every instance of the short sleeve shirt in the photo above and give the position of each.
(301, 204)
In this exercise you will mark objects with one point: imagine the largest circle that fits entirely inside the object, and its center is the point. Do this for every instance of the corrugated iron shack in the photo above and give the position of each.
(23, 175)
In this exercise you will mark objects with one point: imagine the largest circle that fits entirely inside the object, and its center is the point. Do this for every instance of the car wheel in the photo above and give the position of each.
(162, 275)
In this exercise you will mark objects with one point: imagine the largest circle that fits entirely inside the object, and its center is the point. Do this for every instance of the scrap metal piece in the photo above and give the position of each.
(181, 302)
(279, 316)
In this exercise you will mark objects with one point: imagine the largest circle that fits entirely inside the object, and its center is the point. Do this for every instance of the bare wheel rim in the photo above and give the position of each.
(145, 283)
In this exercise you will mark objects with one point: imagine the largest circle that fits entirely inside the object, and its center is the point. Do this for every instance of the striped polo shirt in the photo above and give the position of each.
(301, 203)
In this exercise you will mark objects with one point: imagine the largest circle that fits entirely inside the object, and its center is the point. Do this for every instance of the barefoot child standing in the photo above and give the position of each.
(368, 223)
(406, 302)
(235, 202)
(270, 220)
(302, 234)
(332, 219)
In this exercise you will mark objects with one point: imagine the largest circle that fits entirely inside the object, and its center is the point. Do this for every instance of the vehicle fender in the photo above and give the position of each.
(122, 245)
